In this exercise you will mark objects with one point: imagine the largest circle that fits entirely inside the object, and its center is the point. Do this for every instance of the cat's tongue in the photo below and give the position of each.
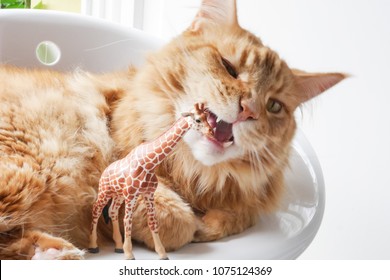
(222, 130)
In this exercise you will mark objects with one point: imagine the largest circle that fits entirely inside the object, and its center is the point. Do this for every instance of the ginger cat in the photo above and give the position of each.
(58, 132)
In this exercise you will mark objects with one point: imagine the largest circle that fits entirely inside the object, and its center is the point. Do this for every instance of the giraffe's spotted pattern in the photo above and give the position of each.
(124, 180)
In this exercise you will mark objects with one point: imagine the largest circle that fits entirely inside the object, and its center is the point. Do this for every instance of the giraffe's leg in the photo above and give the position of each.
(113, 213)
(172, 212)
(96, 212)
(153, 226)
(127, 221)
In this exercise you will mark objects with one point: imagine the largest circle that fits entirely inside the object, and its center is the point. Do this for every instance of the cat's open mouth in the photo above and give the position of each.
(223, 131)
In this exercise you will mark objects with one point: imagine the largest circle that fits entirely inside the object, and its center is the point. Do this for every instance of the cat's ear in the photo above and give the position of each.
(310, 85)
(220, 12)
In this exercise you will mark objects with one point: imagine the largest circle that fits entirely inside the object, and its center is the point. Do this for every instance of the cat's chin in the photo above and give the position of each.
(208, 152)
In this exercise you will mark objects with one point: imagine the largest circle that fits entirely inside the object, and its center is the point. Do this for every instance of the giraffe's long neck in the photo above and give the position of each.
(156, 151)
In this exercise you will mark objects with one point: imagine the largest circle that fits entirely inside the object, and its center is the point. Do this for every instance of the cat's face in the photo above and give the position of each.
(249, 92)
(245, 87)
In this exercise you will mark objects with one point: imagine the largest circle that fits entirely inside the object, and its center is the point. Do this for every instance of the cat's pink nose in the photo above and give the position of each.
(247, 111)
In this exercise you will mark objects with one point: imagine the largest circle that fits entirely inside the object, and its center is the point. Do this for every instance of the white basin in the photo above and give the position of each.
(100, 46)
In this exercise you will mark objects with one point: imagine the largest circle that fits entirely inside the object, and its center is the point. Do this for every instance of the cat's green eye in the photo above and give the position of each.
(230, 68)
(274, 106)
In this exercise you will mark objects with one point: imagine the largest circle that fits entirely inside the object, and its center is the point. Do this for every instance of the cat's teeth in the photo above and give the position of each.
(227, 144)
(218, 119)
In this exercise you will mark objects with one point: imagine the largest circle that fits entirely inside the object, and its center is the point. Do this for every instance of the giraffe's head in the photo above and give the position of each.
(198, 120)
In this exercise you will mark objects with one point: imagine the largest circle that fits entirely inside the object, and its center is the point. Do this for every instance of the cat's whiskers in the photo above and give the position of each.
(258, 167)
(256, 164)
(263, 157)
(278, 146)
(269, 154)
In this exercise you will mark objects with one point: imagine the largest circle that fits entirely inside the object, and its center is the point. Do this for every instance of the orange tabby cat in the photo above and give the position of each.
(59, 131)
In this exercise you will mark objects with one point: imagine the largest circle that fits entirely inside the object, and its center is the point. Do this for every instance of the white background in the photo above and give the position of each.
(349, 126)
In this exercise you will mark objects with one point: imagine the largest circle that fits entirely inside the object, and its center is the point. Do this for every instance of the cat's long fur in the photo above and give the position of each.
(59, 131)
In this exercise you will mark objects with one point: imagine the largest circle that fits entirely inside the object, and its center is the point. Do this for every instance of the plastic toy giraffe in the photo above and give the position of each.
(124, 180)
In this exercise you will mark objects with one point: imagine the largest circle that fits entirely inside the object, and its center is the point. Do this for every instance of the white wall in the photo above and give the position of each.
(349, 126)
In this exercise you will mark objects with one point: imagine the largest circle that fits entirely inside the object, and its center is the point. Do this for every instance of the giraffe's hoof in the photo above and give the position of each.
(93, 250)
(164, 259)
(119, 251)
(131, 259)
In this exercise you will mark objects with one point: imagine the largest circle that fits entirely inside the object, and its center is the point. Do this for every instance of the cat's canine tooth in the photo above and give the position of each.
(218, 119)
(227, 144)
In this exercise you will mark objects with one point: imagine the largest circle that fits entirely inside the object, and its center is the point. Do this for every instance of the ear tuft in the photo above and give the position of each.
(221, 12)
(312, 84)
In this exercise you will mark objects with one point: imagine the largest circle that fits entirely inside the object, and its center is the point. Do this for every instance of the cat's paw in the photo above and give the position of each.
(55, 254)
(49, 254)
(48, 247)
